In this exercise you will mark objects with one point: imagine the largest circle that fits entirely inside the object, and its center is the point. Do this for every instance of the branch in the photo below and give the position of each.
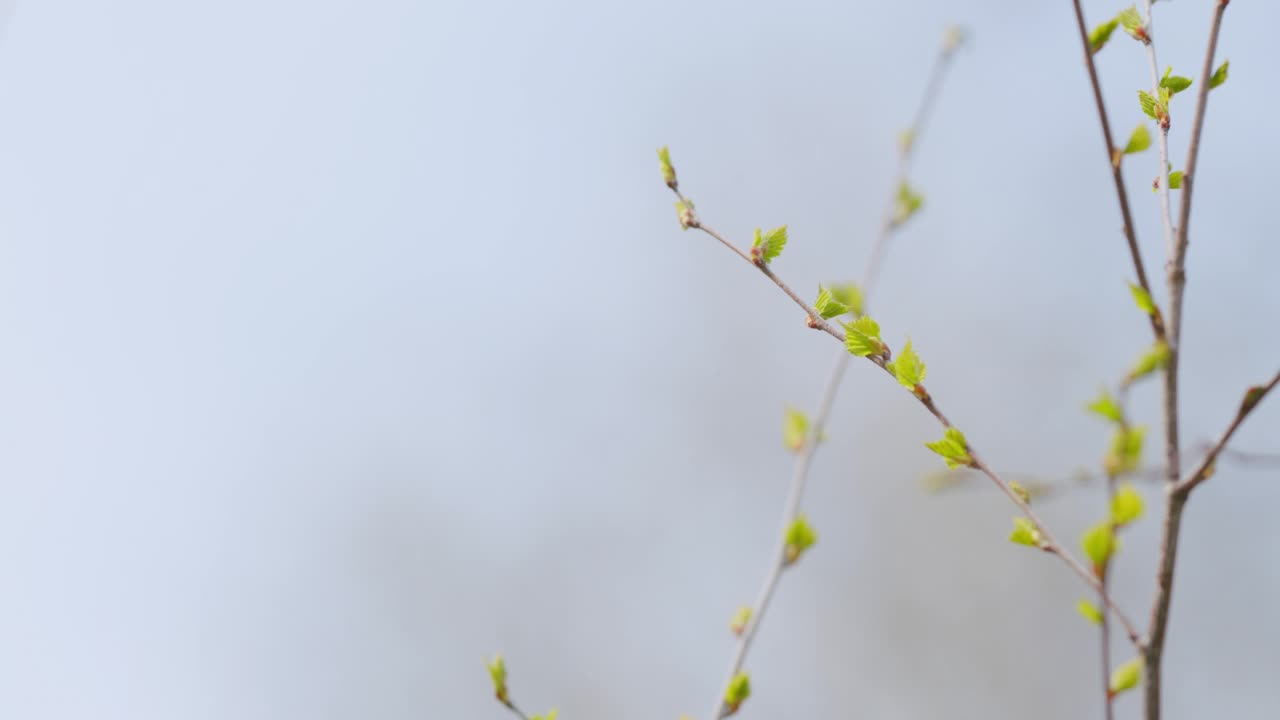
(1252, 398)
(1113, 159)
(1166, 215)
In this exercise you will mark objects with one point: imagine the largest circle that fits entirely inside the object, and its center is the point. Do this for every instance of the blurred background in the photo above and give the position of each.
(348, 343)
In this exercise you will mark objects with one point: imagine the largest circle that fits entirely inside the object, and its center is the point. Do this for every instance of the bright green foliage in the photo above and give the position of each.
(1155, 358)
(498, 673)
(1099, 543)
(740, 620)
(1126, 506)
(1023, 494)
(1106, 407)
(769, 244)
(1125, 454)
(1126, 676)
(738, 691)
(795, 430)
(827, 305)
(1131, 21)
(862, 337)
(1143, 299)
(908, 368)
(1219, 76)
(549, 716)
(849, 295)
(1175, 180)
(1101, 34)
(668, 172)
(907, 203)
(1140, 140)
(1148, 102)
(1089, 611)
(1156, 106)
(800, 537)
(953, 448)
(1174, 83)
(1025, 533)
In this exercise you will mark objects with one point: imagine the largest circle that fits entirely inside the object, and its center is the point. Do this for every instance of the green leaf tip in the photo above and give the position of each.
(1099, 36)
(1155, 358)
(800, 537)
(1139, 140)
(668, 170)
(828, 305)
(738, 691)
(498, 674)
(1099, 544)
(769, 244)
(953, 448)
(741, 618)
(906, 204)
(1219, 76)
(1173, 83)
(1142, 299)
(1089, 611)
(908, 368)
(1125, 677)
(1126, 506)
(1106, 407)
(795, 430)
(862, 337)
(1025, 533)
(684, 211)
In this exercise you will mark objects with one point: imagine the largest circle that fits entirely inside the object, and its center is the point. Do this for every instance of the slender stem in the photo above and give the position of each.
(1105, 626)
(1113, 159)
(1205, 469)
(1176, 280)
(1166, 215)
(515, 710)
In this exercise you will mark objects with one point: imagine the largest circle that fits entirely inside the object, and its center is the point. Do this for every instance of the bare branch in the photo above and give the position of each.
(1253, 397)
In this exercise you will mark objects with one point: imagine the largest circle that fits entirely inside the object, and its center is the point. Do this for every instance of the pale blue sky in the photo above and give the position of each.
(348, 342)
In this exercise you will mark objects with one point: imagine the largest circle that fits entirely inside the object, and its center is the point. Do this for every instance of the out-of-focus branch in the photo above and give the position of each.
(1204, 471)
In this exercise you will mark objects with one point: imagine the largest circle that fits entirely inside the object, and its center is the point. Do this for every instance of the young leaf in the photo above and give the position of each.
(1140, 140)
(1175, 180)
(740, 620)
(1148, 104)
(800, 537)
(1025, 533)
(498, 673)
(1089, 612)
(827, 305)
(1174, 84)
(1099, 543)
(1125, 454)
(1022, 492)
(1155, 358)
(1100, 35)
(1219, 76)
(549, 716)
(684, 211)
(908, 368)
(1126, 677)
(1131, 21)
(795, 430)
(1126, 506)
(862, 337)
(769, 245)
(739, 690)
(953, 448)
(1106, 407)
(849, 295)
(1143, 299)
(907, 203)
(668, 172)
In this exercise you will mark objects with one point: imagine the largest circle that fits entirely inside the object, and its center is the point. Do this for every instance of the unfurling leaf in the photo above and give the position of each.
(1025, 533)
(953, 448)
(1131, 21)
(1106, 407)
(800, 537)
(1099, 543)
(738, 691)
(668, 171)
(1126, 677)
(768, 245)
(908, 368)
(1155, 358)
(1100, 35)
(1174, 83)
(850, 296)
(1143, 299)
(795, 430)
(1023, 494)
(1126, 506)
(1089, 612)
(740, 620)
(827, 305)
(1125, 454)
(1220, 75)
(1140, 140)
(907, 203)
(498, 673)
(684, 211)
(862, 337)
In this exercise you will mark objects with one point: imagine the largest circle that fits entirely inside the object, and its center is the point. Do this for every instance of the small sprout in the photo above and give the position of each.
(1022, 492)
(498, 673)
(1252, 397)
(1126, 450)
(1125, 677)
(850, 296)
(1107, 407)
(953, 448)
(740, 620)
(795, 430)
(1175, 181)
(684, 211)
(738, 691)
(668, 171)
(907, 203)
(1140, 140)
(1156, 106)
(1219, 76)
(769, 245)
(1126, 506)
(827, 305)
(1101, 34)
(909, 369)
(1025, 533)
(1099, 543)
(1155, 358)
(862, 337)
(1132, 23)
(1142, 299)
(1174, 83)
(800, 537)
(1089, 612)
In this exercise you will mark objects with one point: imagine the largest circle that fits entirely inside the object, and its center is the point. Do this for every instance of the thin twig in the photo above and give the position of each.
(1176, 280)
(1113, 160)
(1105, 625)
(515, 710)
(1205, 470)
(1166, 214)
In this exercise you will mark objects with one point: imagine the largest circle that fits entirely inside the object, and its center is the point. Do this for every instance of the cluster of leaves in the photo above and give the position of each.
(768, 245)
(800, 537)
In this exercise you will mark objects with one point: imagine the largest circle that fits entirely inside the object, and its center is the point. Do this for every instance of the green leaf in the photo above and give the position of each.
(1143, 299)
(1101, 34)
(1023, 494)
(907, 203)
(498, 673)
(953, 448)
(1126, 506)
(800, 537)
(739, 690)
(1099, 543)
(1025, 533)
(549, 716)
(1126, 676)
(1106, 407)
(1174, 84)
(684, 211)
(1155, 358)
(827, 305)
(795, 430)
(1140, 140)
(1131, 21)
(740, 620)
(1220, 75)
(849, 295)
(862, 337)
(668, 172)
(1089, 612)
(1175, 180)
(1148, 103)
(1125, 454)
(770, 243)
(908, 368)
